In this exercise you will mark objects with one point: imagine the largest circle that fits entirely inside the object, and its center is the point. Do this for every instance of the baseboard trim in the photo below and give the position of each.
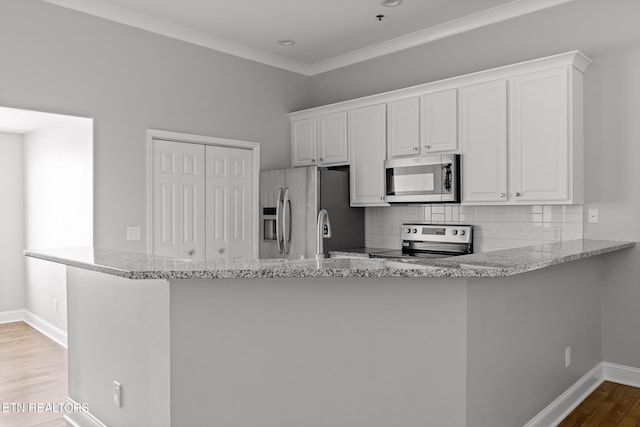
(558, 410)
(44, 327)
(81, 419)
(569, 400)
(11, 316)
(621, 374)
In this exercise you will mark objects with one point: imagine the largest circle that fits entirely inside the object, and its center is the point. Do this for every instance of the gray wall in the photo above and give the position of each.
(607, 32)
(119, 331)
(342, 352)
(518, 329)
(11, 222)
(57, 60)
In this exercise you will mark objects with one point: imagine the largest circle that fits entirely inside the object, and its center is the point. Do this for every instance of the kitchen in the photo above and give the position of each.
(216, 94)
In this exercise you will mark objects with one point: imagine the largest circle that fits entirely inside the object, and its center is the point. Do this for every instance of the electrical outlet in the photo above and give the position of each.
(592, 216)
(567, 357)
(134, 232)
(117, 394)
(55, 305)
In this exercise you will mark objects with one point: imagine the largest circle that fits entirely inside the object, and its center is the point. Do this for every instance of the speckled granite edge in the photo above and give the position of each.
(356, 264)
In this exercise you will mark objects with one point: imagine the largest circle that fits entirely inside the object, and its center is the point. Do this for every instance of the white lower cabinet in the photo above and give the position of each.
(367, 142)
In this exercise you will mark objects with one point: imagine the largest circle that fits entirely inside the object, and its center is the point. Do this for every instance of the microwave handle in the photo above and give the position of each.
(446, 178)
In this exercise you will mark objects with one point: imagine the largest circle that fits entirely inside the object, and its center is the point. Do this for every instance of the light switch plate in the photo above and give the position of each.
(134, 232)
(592, 216)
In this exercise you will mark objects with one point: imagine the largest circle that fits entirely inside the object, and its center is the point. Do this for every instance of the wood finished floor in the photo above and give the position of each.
(610, 405)
(33, 369)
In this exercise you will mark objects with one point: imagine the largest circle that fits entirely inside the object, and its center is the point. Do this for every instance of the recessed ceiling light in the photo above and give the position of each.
(286, 42)
(391, 3)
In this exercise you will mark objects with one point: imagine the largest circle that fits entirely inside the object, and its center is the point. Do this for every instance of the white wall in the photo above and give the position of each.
(58, 187)
(128, 80)
(607, 32)
(11, 223)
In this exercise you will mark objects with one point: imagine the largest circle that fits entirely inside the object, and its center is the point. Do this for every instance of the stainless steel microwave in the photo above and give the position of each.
(429, 179)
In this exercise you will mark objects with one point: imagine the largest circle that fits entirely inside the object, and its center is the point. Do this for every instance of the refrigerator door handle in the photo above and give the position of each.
(286, 225)
(278, 233)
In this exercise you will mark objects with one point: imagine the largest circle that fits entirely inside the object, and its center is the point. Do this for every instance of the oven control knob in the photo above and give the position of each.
(455, 232)
(462, 232)
(408, 230)
(415, 230)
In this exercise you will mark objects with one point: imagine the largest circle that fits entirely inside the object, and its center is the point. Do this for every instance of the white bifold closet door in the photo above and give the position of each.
(201, 201)
(178, 200)
(228, 203)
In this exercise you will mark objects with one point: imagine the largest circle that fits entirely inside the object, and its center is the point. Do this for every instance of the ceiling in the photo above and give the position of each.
(328, 33)
(13, 120)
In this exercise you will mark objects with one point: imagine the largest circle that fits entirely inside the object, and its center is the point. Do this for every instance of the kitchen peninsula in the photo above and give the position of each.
(476, 340)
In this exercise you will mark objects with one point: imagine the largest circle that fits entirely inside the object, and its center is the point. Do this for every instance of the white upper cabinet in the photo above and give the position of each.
(403, 138)
(539, 136)
(367, 142)
(304, 137)
(518, 129)
(332, 139)
(439, 122)
(320, 141)
(483, 140)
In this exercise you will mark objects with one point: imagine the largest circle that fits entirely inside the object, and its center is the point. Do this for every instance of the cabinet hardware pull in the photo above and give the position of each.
(221, 250)
(192, 251)
(517, 194)
(321, 159)
(313, 160)
(415, 148)
(427, 147)
(501, 194)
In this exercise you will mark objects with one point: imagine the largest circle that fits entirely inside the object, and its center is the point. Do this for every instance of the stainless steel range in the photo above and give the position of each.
(432, 241)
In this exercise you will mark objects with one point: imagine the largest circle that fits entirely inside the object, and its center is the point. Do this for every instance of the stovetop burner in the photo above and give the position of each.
(401, 254)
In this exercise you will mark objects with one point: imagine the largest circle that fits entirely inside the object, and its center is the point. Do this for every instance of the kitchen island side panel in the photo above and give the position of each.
(519, 328)
(118, 330)
(332, 352)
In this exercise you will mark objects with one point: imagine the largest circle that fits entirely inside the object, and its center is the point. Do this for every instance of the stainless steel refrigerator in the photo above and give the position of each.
(290, 200)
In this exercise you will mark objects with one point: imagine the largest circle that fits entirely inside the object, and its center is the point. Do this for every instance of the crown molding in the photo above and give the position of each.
(125, 16)
(457, 26)
(131, 18)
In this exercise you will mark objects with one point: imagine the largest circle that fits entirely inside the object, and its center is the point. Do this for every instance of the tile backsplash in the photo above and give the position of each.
(495, 227)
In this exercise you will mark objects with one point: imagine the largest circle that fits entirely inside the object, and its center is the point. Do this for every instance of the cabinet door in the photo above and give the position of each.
(303, 142)
(439, 122)
(404, 128)
(539, 136)
(367, 141)
(332, 139)
(483, 137)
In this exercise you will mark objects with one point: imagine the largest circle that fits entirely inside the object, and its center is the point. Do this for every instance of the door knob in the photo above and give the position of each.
(192, 251)
(221, 250)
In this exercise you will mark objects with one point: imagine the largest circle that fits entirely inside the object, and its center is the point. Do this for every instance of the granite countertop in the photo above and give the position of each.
(356, 264)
